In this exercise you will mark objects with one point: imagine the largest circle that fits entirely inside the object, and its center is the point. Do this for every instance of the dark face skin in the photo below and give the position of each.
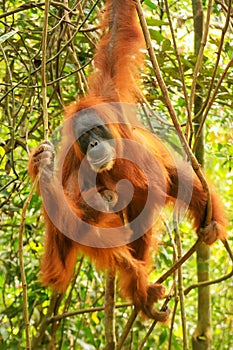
(95, 140)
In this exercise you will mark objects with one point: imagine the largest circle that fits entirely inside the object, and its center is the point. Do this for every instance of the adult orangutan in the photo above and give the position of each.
(113, 177)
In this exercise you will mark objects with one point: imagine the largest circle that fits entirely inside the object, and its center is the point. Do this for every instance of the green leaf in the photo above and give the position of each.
(7, 36)
(162, 337)
(166, 45)
(156, 22)
(156, 35)
(150, 4)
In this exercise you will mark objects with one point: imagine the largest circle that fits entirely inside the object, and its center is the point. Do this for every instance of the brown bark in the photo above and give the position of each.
(201, 338)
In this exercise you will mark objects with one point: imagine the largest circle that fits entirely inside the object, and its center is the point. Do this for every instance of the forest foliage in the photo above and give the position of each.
(76, 321)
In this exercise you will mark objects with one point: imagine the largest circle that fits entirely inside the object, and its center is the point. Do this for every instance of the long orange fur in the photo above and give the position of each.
(114, 79)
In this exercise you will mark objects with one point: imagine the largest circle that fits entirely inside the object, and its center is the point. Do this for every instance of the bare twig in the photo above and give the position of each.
(82, 83)
(22, 268)
(217, 280)
(220, 46)
(211, 101)
(24, 211)
(45, 322)
(179, 65)
(109, 319)
(172, 112)
(180, 284)
(173, 321)
(55, 325)
(200, 55)
(154, 322)
(127, 329)
(43, 70)
(228, 249)
(30, 6)
(181, 260)
(85, 311)
(208, 283)
(69, 297)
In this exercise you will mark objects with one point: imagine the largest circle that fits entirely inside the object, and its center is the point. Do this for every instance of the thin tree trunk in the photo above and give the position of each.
(109, 317)
(201, 338)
